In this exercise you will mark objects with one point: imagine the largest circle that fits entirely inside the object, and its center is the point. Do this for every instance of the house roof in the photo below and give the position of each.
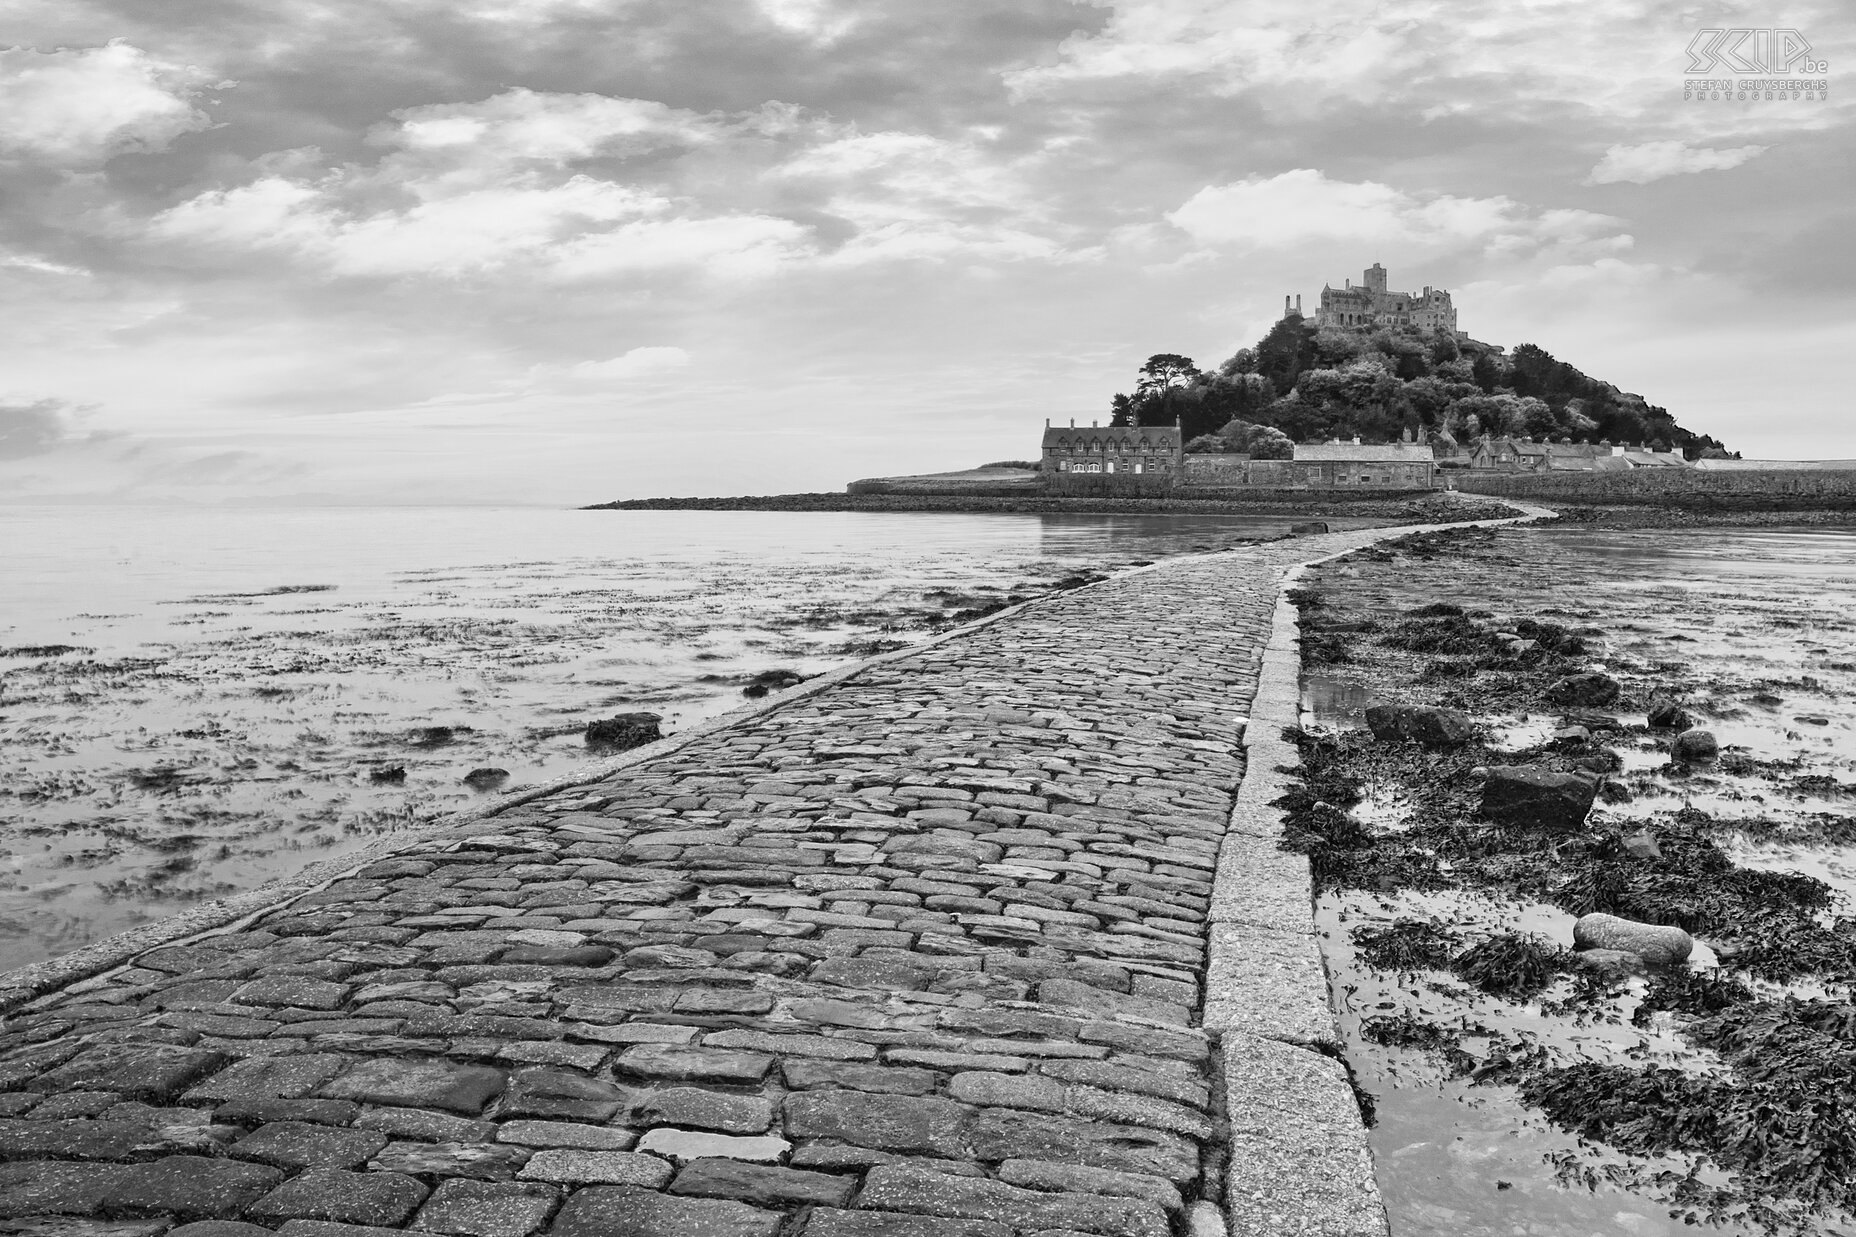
(1656, 459)
(1364, 453)
(1103, 433)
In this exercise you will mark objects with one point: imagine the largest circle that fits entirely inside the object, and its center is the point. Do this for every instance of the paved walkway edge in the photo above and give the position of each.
(1299, 1159)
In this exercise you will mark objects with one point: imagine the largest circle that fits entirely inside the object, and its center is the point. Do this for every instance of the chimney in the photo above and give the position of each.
(1298, 304)
(1285, 304)
(1094, 425)
(1356, 440)
(1072, 422)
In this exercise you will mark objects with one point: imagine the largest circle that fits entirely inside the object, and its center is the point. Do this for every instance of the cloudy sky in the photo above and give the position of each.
(559, 251)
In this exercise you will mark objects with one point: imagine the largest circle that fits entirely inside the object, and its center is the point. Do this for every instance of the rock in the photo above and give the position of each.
(1526, 795)
(1641, 846)
(761, 1184)
(1591, 719)
(375, 1199)
(461, 1208)
(627, 730)
(387, 773)
(772, 681)
(1812, 719)
(1611, 963)
(418, 1084)
(1666, 714)
(1588, 688)
(1654, 943)
(606, 1211)
(1695, 746)
(486, 779)
(1571, 736)
(1423, 724)
(1309, 526)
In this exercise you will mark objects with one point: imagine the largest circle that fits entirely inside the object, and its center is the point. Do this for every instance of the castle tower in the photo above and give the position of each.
(1376, 278)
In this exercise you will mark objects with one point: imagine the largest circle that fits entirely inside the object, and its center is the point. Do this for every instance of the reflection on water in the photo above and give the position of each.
(244, 685)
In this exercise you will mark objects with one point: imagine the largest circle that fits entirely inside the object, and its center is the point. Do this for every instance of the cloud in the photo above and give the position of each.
(1654, 160)
(638, 363)
(1304, 206)
(31, 429)
(497, 187)
(79, 107)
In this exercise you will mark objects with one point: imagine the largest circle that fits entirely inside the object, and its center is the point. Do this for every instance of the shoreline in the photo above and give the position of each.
(1464, 1013)
(1382, 510)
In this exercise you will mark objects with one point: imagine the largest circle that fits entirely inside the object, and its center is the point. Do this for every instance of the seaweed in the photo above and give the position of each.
(1512, 964)
(1407, 945)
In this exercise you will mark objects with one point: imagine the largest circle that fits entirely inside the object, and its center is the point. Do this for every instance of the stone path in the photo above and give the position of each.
(917, 955)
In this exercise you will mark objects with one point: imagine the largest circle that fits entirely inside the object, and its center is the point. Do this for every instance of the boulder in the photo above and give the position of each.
(1666, 714)
(626, 730)
(1571, 736)
(1589, 688)
(387, 773)
(1695, 745)
(1611, 963)
(1528, 795)
(1640, 846)
(1654, 943)
(486, 779)
(1309, 526)
(1432, 727)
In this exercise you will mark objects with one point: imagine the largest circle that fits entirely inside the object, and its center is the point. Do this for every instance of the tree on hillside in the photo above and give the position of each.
(1164, 373)
(1286, 351)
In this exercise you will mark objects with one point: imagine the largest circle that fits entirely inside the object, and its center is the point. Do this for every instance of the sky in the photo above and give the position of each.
(565, 251)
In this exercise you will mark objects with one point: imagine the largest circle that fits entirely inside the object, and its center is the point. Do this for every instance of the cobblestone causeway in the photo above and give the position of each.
(917, 955)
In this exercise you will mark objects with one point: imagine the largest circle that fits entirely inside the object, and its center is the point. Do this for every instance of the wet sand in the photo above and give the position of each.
(1754, 631)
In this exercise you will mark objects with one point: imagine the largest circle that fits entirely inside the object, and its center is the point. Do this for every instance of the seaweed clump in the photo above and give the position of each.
(1512, 964)
(1783, 1118)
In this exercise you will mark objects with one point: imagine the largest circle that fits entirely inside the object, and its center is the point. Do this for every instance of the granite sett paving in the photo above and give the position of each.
(919, 954)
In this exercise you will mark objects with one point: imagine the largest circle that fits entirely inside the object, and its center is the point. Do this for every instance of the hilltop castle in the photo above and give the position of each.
(1370, 304)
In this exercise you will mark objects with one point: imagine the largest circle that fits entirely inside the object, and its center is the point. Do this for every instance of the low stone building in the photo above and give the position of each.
(1392, 465)
(1134, 450)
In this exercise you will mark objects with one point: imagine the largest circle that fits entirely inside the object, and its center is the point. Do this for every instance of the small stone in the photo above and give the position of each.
(1654, 943)
(906, 1189)
(1666, 714)
(266, 1078)
(901, 1123)
(566, 1134)
(461, 1208)
(685, 1145)
(808, 1075)
(375, 1199)
(417, 1083)
(1045, 1175)
(597, 1168)
(673, 1061)
(761, 1185)
(191, 1186)
(557, 1094)
(1522, 795)
(294, 991)
(1611, 963)
(293, 1144)
(484, 1161)
(829, 1222)
(608, 1211)
(139, 1071)
(1640, 846)
(1589, 689)
(704, 1110)
(429, 1126)
(1695, 746)
(1431, 727)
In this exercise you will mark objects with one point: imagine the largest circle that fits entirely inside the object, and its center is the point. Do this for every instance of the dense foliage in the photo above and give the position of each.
(1309, 383)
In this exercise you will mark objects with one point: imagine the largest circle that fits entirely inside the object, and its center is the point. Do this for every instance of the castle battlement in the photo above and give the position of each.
(1370, 304)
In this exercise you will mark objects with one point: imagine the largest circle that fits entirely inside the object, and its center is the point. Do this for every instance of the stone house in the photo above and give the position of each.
(1133, 450)
(1392, 465)
(1371, 304)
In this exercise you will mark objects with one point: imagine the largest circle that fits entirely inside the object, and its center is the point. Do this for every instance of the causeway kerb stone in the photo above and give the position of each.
(768, 951)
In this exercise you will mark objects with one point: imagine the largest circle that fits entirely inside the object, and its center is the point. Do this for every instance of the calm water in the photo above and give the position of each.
(239, 676)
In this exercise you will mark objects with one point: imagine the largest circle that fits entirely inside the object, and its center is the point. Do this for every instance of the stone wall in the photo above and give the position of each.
(1777, 489)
